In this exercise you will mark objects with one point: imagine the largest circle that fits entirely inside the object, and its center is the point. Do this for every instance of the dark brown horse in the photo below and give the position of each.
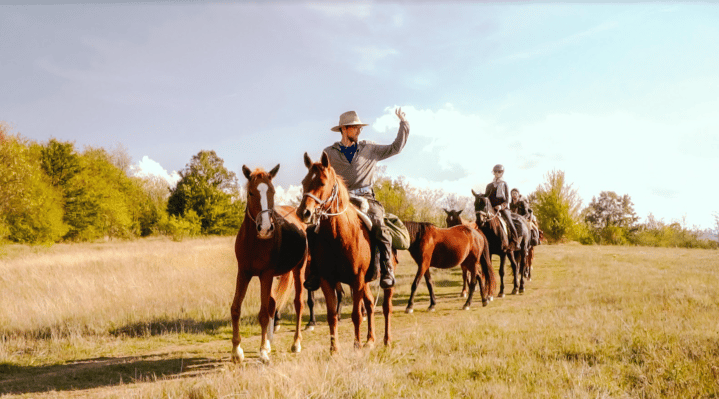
(530, 258)
(489, 223)
(340, 248)
(271, 242)
(431, 246)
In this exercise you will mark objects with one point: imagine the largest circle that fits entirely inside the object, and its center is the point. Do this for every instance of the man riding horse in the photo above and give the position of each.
(356, 162)
(498, 194)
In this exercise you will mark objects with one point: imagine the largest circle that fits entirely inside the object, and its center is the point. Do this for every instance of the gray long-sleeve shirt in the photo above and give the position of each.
(361, 171)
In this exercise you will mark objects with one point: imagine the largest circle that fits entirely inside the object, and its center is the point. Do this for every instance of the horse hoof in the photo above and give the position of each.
(369, 345)
(409, 310)
(309, 328)
(431, 309)
(277, 327)
(501, 295)
(485, 303)
(297, 348)
(521, 291)
(515, 291)
(466, 307)
(264, 357)
(238, 355)
(464, 295)
(358, 345)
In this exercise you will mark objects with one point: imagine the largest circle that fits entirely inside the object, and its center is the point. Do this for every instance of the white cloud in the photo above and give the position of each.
(619, 152)
(288, 196)
(147, 167)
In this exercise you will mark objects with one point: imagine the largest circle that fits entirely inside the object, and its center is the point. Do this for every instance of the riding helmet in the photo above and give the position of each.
(498, 168)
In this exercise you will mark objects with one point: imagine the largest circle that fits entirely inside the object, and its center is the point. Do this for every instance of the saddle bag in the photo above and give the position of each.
(398, 231)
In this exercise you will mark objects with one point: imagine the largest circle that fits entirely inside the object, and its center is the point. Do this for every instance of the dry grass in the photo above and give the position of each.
(150, 319)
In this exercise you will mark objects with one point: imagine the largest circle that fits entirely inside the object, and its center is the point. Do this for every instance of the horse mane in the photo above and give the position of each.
(416, 230)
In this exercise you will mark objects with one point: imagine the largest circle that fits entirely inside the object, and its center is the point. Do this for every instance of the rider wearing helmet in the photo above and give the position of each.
(498, 194)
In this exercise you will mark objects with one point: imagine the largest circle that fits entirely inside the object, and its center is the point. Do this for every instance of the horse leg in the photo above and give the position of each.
(357, 298)
(267, 308)
(297, 345)
(340, 295)
(472, 286)
(243, 279)
(312, 322)
(368, 301)
(465, 281)
(415, 283)
(502, 259)
(430, 287)
(515, 271)
(331, 302)
(387, 311)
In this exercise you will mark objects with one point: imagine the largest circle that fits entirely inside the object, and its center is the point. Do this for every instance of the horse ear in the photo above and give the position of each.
(475, 194)
(445, 211)
(274, 171)
(246, 171)
(308, 161)
(325, 159)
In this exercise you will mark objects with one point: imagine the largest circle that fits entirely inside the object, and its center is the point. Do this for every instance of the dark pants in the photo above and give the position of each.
(508, 218)
(379, 230)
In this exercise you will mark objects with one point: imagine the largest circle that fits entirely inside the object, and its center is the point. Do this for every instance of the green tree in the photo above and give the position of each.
(101, 200)
(210, 190)
(394, 197)
(556, 205)
(611, 217)
(30, 208)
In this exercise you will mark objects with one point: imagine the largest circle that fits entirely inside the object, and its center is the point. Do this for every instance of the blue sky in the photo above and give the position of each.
(621, 97)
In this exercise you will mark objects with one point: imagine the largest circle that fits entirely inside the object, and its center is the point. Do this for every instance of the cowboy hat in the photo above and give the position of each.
(349, 118)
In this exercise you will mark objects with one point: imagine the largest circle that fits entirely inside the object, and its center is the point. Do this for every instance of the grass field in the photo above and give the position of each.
(150, 319)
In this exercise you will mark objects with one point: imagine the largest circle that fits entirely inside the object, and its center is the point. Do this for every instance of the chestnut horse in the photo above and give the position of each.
(431, 246)
(340, 248)
(489, 223)
(271, 242)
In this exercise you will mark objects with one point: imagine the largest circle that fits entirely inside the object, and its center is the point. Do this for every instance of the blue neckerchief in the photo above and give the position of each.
(349, 151)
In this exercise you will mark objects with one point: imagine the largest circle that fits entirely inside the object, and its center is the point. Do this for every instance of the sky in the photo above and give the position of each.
(621, 96)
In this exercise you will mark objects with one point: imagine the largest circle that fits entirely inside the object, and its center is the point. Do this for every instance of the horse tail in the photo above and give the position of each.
(282, 291)
(486, 261)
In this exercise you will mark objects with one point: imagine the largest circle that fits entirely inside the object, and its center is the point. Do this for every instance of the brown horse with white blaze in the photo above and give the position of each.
(271, 242)
(340, 248)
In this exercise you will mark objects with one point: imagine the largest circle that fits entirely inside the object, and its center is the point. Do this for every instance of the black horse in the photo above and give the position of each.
(488, 221)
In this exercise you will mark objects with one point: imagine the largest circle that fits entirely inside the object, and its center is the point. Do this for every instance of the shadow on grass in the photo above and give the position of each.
(97, 373)
(167, 326)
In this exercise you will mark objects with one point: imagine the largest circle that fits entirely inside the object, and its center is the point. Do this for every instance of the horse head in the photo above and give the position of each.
(261, 199)
(322, 191)
(482, 207)
(453, 217)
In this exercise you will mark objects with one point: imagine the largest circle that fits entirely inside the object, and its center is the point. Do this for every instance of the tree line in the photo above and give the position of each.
(52, 192)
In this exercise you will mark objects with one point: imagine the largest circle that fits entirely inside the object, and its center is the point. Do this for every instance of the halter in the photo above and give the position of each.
(486, 214)
(320, 212)
(273, 215)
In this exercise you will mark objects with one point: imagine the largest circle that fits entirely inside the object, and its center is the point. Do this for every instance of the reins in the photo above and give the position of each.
(321, 212)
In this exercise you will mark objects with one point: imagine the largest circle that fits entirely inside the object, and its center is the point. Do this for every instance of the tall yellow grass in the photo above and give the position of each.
(596, 322)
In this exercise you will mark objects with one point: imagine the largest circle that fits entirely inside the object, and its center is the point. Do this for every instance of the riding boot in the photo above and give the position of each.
(384, 244)
(510, 224)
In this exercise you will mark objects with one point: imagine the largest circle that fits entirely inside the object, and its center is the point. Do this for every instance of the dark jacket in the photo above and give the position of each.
(498, 193)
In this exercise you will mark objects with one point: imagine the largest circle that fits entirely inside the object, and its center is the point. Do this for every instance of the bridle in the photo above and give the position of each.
(486, 215)
(274, 216)
(322, 210)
